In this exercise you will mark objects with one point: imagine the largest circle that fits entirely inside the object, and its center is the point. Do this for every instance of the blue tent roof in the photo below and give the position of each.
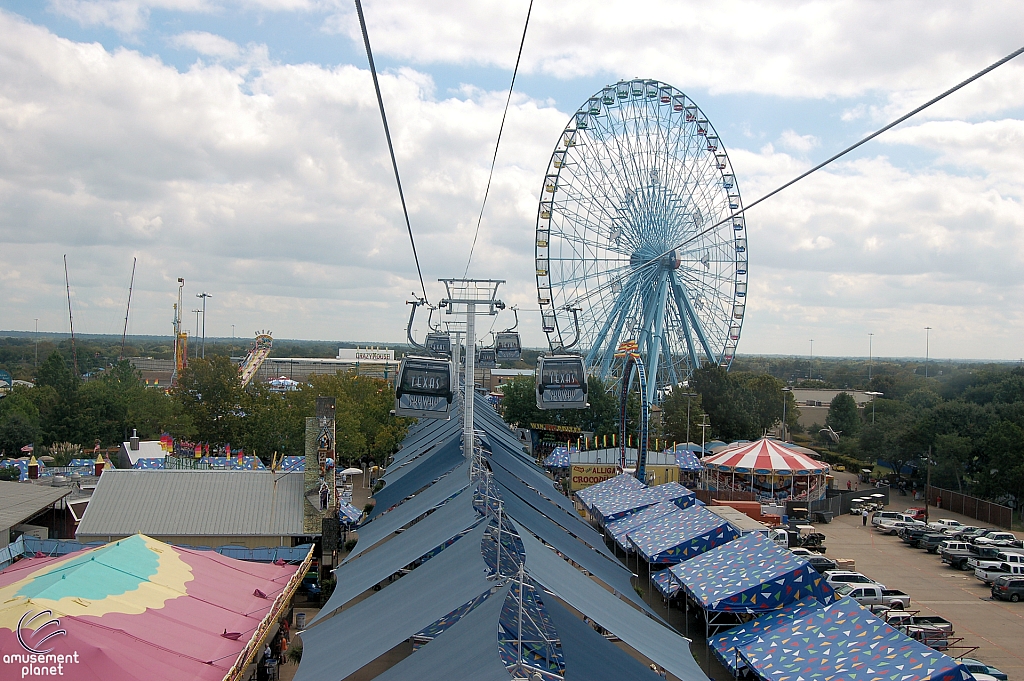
(349, 513)
(724, 645)
(678, 537)
(627, 501)
(686, 456)
(618, 528)
(666, 582)
(149, 464)
(845, 641)
(558, 458)
(608, 487)
(751, 574)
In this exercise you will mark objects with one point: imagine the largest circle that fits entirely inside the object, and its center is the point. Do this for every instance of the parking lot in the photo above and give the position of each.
(995, 627)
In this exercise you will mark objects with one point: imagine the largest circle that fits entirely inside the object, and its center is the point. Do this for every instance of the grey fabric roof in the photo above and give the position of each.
(345, 643)
(612, 573)
(414, 443)
(640, 632)
(194, 503)
(530, 474)
(356, 577)
(588, 655)
(419, 475)
(468, 650)
(380, 527)
(20, 501)
(568, 521)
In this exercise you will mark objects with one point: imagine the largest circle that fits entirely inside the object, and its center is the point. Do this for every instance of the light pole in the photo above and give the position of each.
(198, 312)
(204, 295)
(810, 361)
(35, 364)
(232, 330)
(870, 338)
(873, 396)
(785, 399)
(927, 331)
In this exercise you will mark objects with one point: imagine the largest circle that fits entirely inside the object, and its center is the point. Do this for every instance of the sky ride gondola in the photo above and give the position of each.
(508, 347)
(424, 388)
(438, 343)
(486, 359)
(561, 382)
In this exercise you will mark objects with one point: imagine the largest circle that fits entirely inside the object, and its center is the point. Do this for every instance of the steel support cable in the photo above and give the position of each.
(816, 168)
(391, 147)
(501, 128)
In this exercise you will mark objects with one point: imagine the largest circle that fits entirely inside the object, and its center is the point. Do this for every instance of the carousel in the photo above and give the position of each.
(768, 469)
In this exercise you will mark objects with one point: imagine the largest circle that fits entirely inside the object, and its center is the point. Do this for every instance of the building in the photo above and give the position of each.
(814, 403)
(136, 449)
(28, 508)
(498, 377)
(197, 507)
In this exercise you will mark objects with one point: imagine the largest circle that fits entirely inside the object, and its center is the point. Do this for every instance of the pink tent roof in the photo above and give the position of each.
(763, 457)
(140, 609)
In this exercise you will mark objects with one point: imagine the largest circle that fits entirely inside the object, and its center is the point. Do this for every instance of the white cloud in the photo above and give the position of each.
(798, 143)
(207, 44)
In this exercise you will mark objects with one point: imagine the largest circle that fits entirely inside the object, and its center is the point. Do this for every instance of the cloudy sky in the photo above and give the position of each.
(237, 144)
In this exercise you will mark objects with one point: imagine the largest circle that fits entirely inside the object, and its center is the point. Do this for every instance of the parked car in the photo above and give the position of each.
(916, 513)
(837, 577)
(958, 555)
(879, 516)
(1007, 539)
(989, 575)
(821, 563)
(931, 541)
(310, 585)
(943, 524)
(875, 594)
(897, 618)
(987, 557)
(892, 527)
(969, 532)
(1008, 588)
(911, 533)
(975, 667)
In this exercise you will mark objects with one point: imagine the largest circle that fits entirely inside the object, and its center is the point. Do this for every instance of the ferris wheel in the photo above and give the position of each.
(629, 245)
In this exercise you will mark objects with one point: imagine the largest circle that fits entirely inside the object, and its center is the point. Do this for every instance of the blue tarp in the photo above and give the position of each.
(845, 641)
(724, 645)
(675, 538)
(751, 574)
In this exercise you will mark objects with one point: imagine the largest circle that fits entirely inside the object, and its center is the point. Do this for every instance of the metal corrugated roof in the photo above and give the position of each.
(20, 501)
(194, 503)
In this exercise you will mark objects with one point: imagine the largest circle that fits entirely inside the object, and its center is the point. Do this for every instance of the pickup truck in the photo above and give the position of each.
(875, 594)
(957, 557)
(896, 618)
(943, 524)
(912, 533)
(1004, 539)
(987, 557)
(892, 527)
(989, 575)
(932, 541)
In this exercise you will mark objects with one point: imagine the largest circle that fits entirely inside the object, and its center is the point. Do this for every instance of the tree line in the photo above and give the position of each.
(208, 405)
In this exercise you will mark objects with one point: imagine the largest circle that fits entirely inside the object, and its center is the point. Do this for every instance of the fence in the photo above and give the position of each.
(972, 507)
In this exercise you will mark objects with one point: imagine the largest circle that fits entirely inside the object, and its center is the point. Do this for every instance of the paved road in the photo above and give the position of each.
(996, 627)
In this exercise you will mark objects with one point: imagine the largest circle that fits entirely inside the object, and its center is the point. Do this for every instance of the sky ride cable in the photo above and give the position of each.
(391, 147)
(847, 150)
(494, 158)
(816, 168)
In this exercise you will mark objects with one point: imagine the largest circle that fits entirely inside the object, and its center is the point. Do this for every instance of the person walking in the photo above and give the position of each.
(864, 517)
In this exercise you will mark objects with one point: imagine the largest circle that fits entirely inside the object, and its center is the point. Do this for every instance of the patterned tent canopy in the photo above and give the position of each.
(678, 537)
(751, 574)
(609, 487)
(845, 641)
(687, 459)
(149, 464)
(141, 609)
(764, 457)
(626, 501)
(558, 458)
(618, 528)
(349, 513)
(666, 583)
(724, 645)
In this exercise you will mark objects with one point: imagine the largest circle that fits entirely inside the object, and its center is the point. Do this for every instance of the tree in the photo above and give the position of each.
(210, 393)
(1004, 476)
(16, 431)
(675, 409)
(843, 415)
(766, 398)
(728, 406)
(953, 454)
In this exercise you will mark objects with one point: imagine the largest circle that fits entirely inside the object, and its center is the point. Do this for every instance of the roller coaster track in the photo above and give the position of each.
(254, 360)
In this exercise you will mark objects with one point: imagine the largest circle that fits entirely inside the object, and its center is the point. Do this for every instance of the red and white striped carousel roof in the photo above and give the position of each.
(765, 455)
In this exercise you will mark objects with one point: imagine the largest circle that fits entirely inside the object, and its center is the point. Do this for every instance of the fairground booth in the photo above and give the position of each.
(768, 469)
